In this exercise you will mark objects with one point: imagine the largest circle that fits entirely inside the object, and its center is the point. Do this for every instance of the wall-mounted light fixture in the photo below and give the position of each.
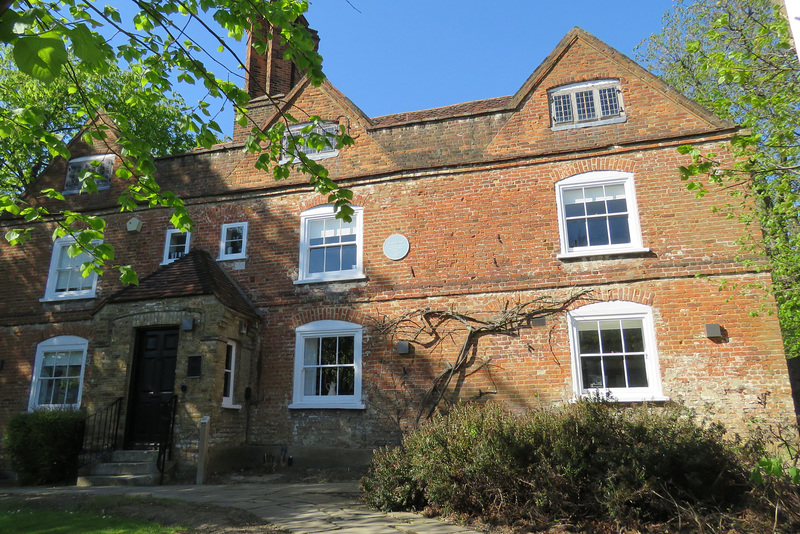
(714, 331)
(134, 225)
(187, 323)
(403, 347)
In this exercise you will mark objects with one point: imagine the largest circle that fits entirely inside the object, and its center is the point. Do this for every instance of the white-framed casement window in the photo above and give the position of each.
(327, 370)
(229, 376)
(597, 214)
(65, 279)
(613, 348)
(100, 168)
(330, 248)
(315, 141)
(586, 104)
(57, 380)
(233, 241)
(176, 245)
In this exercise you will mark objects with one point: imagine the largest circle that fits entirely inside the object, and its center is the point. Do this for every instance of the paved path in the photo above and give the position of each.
(297, 507)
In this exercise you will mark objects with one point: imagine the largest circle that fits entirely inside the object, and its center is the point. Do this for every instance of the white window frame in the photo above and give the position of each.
(595, 87)
(171, 232)
(230, 373)
(50, 293)
(83, 163)
(616, 310)
(592, 179)
(322, 213)
(56, 344)
(223, 241)
(296, 130)
(321, 329)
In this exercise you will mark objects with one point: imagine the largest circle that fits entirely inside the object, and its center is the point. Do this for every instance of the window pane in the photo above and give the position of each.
(311, 352)
(615, 191)
(576, 233)
(332, 228)
(348, 231)
(348, 257)
(328, 352)
(591, 372)
(615, 371)
(618, 226)
(585, 103)
(315, 229)
(598, 232)
(562, 108)
(588, 339)
(332, 259)
(316, 260)
(347, 380)
(346, 350)
(617, 206)
(311, 381)
(632, 331)
(574, 210)
(329, 381)
(637, 374)
(609, 103)
(610, 336)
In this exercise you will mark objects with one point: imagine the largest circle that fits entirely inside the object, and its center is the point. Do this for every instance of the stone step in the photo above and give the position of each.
(125, 468)
(134, 456)
(118, 480)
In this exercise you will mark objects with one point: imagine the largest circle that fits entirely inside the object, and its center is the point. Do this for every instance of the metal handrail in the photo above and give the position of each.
(167, 413)
(101, 433)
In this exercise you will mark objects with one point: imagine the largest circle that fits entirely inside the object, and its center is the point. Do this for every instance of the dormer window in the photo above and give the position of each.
(315, 141)
(97, 167)
(586, 104)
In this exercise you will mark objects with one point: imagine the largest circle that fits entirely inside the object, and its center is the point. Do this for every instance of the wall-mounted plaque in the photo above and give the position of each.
(396, 247)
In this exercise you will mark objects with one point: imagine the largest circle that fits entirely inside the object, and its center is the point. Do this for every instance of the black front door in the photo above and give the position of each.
(153, 384)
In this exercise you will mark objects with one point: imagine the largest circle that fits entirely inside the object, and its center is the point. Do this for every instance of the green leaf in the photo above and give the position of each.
(84, 44)
(41, 57)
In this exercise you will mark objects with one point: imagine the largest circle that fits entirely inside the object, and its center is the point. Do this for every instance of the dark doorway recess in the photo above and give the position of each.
(152, 385)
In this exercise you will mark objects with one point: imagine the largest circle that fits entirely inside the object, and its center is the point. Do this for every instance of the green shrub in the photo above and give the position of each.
(586, 461)
(44, 445)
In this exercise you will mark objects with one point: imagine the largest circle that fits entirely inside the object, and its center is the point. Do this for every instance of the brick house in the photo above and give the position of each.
(302, 335)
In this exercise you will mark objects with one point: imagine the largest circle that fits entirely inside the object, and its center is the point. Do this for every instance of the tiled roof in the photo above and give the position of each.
(476, 107)
(196, 273)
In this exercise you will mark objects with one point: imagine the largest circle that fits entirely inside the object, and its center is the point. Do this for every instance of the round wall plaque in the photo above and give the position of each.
(395, 247)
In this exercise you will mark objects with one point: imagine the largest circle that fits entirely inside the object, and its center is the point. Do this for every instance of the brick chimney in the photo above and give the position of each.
(270, 74)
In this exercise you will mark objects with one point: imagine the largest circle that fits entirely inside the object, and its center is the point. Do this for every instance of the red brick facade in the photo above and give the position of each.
(473, 188)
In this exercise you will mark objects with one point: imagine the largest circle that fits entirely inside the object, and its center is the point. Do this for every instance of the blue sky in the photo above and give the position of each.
(406, 55)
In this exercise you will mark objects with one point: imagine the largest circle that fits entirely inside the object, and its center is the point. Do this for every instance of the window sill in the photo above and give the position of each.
(588, 123)
(229, 406)
(333, 405)
(313, 157)
(232, 258)
(342, 278)
(605, 252)
(65, 298)
(597, 394)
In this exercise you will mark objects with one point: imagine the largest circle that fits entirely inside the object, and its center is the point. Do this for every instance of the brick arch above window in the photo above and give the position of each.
(583, 166)
(626, 293)
(314, 201)
(333, 313)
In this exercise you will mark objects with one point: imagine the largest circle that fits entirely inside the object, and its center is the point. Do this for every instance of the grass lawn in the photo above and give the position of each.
(19, 519)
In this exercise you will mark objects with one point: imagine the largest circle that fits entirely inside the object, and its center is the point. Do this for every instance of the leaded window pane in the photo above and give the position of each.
(584, 101)
(562, 108)
(609, 103)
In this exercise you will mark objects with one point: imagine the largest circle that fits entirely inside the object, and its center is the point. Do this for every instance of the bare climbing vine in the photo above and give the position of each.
(428, 327)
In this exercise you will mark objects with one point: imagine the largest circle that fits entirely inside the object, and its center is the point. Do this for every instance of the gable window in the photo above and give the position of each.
(330, 248)
(614, 351)
(229, 376)
(65, 279)
(100, 168)
(176, 245)
(57, 380)
(233, 242)
(327, 372)
(586, 104)
(305, 133)
(598, 215)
